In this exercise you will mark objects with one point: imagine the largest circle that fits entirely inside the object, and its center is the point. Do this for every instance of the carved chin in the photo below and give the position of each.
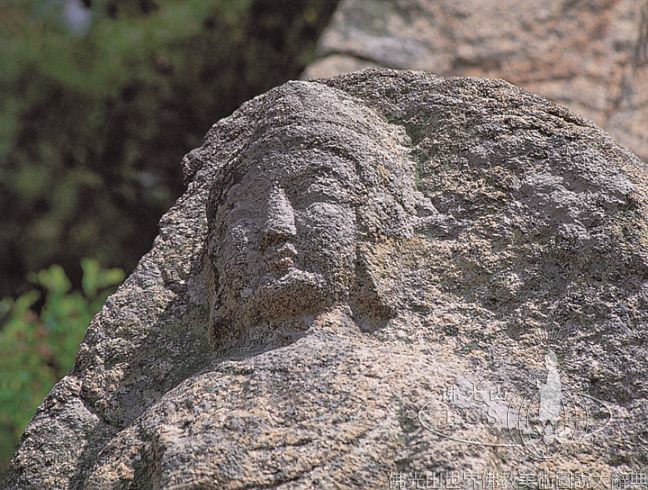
(295, 292)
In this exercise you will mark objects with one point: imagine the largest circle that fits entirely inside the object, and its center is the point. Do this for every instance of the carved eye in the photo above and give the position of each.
(237, 214)
(236, 243)
(327, 218)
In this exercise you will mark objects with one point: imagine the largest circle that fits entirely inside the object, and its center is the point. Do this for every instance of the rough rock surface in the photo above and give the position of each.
(355, 259)
(591, 56)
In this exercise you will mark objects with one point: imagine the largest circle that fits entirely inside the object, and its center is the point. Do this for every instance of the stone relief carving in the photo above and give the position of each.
(292, 222)
(365, 242)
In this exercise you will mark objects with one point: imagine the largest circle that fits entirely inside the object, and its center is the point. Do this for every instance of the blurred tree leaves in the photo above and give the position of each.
(36, 350)
(93, 124)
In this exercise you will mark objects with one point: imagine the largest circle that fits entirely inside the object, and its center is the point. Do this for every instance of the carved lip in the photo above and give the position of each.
(281, 258)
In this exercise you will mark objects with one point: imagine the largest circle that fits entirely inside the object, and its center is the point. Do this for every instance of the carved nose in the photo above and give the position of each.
(280, 221)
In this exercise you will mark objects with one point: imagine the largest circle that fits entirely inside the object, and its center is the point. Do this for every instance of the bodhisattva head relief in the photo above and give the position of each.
(293, 219)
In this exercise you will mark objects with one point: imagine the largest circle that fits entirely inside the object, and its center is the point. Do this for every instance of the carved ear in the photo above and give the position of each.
(428, 220)
(424, 206)
(369, 301)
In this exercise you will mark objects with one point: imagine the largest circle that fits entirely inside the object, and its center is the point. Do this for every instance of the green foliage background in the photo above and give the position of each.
(93, 124)
(38, 349)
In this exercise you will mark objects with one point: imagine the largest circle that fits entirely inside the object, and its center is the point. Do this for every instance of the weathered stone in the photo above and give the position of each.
(590, 56)
(354, 259)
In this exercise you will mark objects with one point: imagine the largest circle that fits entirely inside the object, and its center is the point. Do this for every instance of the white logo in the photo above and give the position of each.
(541, 420)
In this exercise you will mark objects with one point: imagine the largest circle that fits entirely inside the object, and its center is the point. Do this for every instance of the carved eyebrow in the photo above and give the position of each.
(335, 193)
(312, 172)
(227, 196)
(315, 176)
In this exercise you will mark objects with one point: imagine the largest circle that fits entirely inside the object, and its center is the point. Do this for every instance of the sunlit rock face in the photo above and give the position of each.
(370, 277)
(591, 56)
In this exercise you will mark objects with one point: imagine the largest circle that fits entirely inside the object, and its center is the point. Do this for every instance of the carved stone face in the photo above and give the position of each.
(287, 236)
